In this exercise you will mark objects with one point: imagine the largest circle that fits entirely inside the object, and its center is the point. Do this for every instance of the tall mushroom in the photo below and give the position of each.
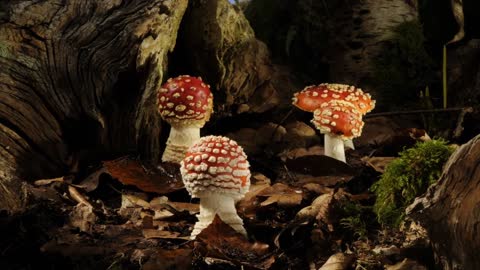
(339, 121)
(312, 97)
(186, 103)
(215, 169)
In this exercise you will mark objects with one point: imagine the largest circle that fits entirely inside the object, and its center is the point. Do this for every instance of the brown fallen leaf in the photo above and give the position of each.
(327, 180)
(301, 152)
(134, 199)
(43, 182)
(191, 208)
(282, 195)
(78, 197)
(153, 233)
(338, 261)
(82, 217)
(319, 209)
(162, 180)
(406, 264)
(319, 165)
(221, 241)
(317, 188)
(248, 205)
(163, 259)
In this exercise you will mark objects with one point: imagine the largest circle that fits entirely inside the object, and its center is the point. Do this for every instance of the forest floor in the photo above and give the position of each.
(303, 211)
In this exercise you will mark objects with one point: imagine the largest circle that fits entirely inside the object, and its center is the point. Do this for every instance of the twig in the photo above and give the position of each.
(79, 198)
(467, 109)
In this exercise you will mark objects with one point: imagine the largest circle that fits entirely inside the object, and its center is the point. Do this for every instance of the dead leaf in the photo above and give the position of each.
(319, 209)
(90, 183)
(162, 180)
(378, 163)
(319, 165)
(180, 259)
(317, 188)
(282, 195)
(191, 208)
(301, 152)
(82, 217)
(153, 233)
(221, 241)
(327, 181)
(338, 261)
(248, 205)
(78, 197)
(43, 182)
(134, 199)
(406, 264)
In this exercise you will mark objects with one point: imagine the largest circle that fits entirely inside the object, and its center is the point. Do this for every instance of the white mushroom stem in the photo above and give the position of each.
(334, 147)
(224, 206)
(179, 140)
(349, 144)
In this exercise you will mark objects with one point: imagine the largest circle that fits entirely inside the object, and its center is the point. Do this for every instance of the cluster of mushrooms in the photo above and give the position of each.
(215, 168)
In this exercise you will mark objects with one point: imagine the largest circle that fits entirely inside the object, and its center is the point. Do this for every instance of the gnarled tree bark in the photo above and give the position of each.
(450, 210)
(79, 76)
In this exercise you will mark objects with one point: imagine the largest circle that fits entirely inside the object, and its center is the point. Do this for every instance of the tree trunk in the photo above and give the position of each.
(450, 210)
(79, 77)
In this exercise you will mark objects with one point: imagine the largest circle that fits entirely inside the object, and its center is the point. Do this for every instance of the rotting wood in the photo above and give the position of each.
(77, 78)
(449, 210)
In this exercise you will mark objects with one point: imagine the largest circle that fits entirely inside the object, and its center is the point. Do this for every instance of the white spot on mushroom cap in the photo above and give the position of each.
(217, 172)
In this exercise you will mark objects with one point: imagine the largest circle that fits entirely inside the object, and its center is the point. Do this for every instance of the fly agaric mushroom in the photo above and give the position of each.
(215, 169)
(186, 103)
(339, 121)
(312, 97)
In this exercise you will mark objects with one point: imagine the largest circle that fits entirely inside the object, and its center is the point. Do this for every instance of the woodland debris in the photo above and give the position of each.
(221, 241)
(282, 195)
(338, 261)
(128, 171)
(43, 182)
(78, 197)
(406, 264)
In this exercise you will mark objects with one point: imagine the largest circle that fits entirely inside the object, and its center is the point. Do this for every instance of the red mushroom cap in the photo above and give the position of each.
(339, 118)
(312, 97)
(215, 164)
(185, 100)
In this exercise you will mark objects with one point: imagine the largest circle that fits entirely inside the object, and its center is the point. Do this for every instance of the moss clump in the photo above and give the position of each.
(403, 66)
(407, 177)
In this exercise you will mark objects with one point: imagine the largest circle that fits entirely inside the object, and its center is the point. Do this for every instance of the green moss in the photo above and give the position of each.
(408, 177)
(403, 67)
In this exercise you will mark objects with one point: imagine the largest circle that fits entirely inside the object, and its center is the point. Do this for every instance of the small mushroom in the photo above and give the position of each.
(339, 121)
(186, 103)
(216, 170)
(312, 97)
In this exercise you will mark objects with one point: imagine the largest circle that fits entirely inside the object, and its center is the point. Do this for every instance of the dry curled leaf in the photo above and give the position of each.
(319, 165)
(406, 264)
(319, 209)
(169, 260)
(282, 195)
(221, 241)
(338, 261)
(161, 180)
(153, 233)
